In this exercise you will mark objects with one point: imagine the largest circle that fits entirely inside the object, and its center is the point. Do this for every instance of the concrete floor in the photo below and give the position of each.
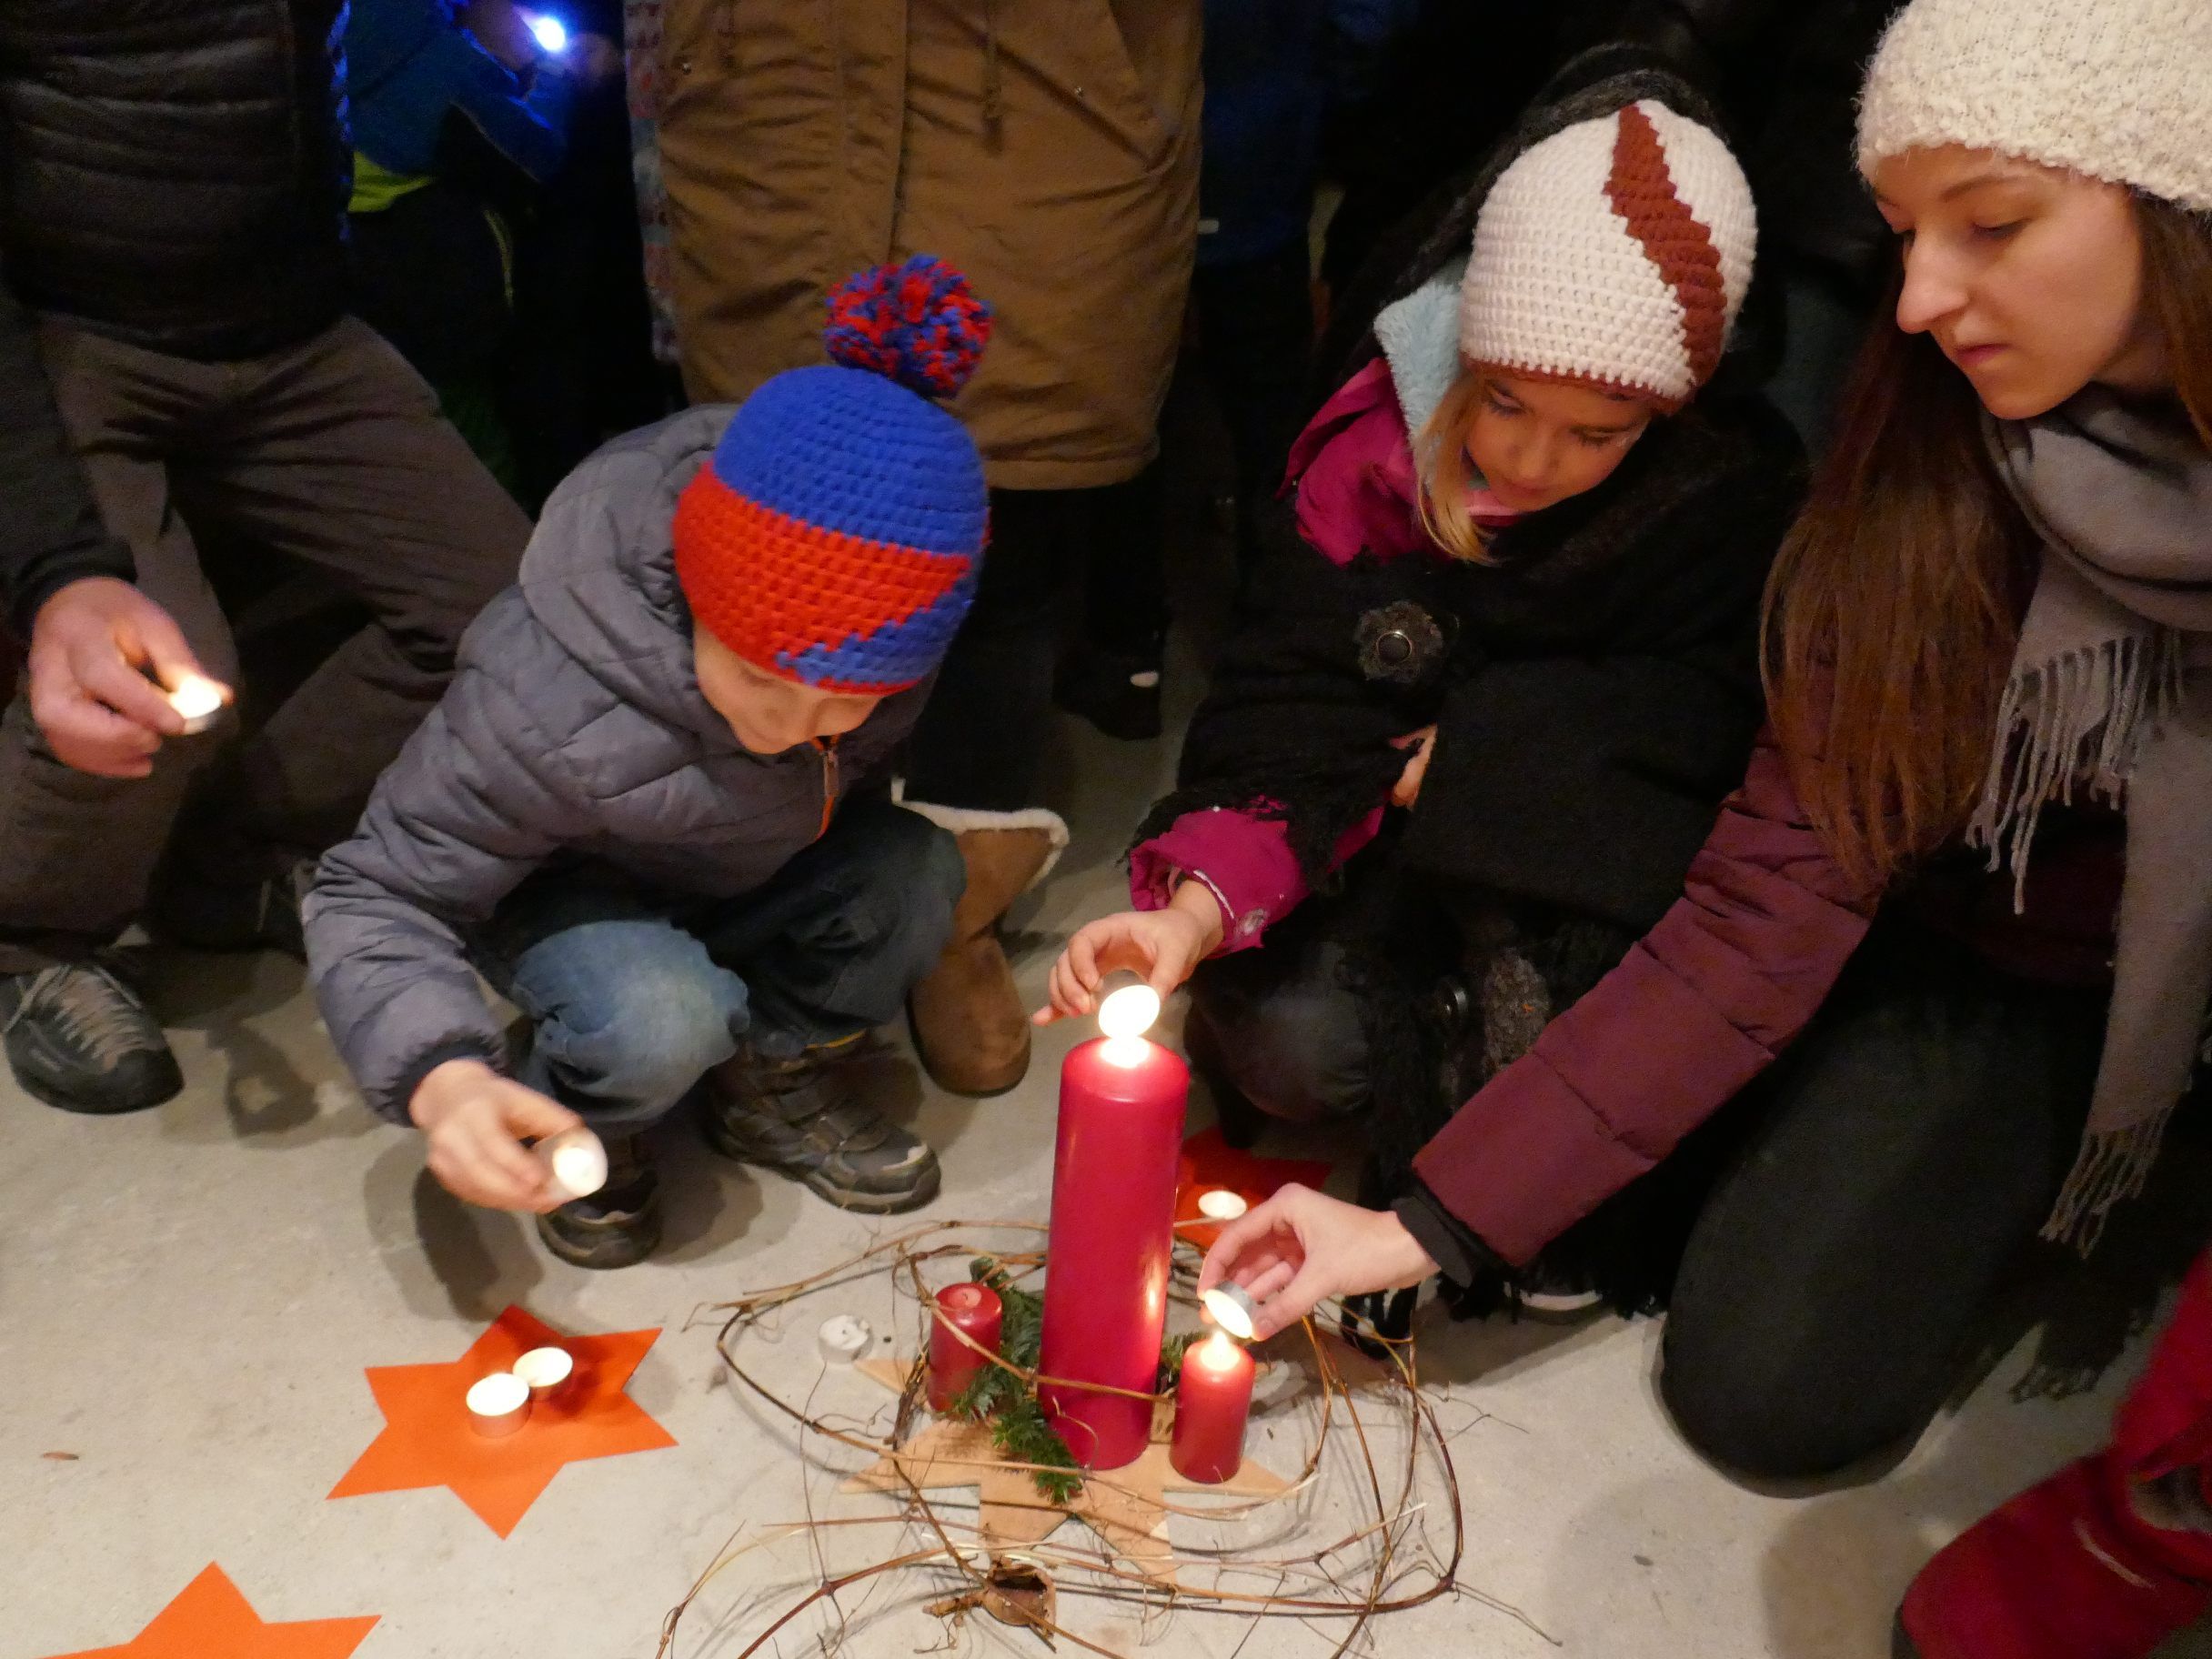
(188, 1298)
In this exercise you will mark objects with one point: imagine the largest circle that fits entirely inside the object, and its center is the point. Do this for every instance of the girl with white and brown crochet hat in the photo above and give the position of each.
(1483, 708)
(1988, 791)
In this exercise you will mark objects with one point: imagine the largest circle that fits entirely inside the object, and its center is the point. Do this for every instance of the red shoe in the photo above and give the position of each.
(2065, 1570)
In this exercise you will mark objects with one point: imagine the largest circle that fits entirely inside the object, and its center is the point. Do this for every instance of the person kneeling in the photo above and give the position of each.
(653, 811)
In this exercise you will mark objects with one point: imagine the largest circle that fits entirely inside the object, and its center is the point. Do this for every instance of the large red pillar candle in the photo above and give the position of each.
(1213, 1399)
(973, 1309)
(1113, 1225)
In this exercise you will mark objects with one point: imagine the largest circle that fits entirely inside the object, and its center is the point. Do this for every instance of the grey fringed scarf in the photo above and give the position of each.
(2111, 692)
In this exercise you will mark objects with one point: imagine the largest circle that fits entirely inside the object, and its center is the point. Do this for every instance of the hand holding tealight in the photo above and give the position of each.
(1300, 1249)
(1161, 947)
(476, 1121)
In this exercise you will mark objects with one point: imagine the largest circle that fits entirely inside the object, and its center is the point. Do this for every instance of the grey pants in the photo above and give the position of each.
(331, 453)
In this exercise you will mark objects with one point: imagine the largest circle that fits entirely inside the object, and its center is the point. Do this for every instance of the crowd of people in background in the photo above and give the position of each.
(1710, 767)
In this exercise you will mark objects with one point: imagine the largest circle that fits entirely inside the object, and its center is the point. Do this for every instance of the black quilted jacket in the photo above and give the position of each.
(174, 173)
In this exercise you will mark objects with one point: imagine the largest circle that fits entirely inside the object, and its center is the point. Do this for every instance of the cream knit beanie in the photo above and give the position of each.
(1617, 252)
(2118, 89)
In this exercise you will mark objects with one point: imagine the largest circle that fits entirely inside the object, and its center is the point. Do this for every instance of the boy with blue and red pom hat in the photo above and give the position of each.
(654, 808)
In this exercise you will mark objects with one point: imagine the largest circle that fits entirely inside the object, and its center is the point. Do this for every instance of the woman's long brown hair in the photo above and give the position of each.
(1895, 601)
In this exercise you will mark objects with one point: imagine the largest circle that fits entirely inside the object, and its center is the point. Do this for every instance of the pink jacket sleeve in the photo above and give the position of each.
(1244, 860)
(1695, 1010)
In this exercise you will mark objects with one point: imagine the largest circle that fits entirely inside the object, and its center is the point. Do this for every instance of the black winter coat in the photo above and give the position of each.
(174, 173)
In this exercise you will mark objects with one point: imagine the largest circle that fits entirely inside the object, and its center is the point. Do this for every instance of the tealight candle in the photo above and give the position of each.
(576, 1160)
(1232, 1307)
(499, 1404)
(1221, 1204)
(843, 1338)
(545, 1370)
(198, 700)
(1212, 1402)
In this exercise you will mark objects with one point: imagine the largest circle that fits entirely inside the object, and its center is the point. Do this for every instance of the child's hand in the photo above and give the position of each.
(474, 1121)
(1420, 746)
(1165, 946)
(1301, 1247)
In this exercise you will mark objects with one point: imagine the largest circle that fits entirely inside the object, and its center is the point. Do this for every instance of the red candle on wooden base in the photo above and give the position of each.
(1212, 1401)
(973, 1309)
(1113, 1226)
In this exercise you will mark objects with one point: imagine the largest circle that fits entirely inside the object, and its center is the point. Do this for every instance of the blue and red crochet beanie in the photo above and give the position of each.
(836, 534)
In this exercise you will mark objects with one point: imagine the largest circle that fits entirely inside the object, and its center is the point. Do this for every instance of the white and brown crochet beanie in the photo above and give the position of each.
(1615, 252)
(2118, 89)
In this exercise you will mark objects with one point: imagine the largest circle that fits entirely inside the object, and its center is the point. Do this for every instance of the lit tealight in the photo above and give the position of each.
(550, 32)
(499, 1404)
(1221, 1204)
(1232, 1309)
(576, 1160)
(1128, 1011)
(543, 1370)
(197, 700)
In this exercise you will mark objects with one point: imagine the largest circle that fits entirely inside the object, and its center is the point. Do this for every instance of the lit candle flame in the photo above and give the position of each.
(1219, 1351)
(1129, 1013)
(195, 696)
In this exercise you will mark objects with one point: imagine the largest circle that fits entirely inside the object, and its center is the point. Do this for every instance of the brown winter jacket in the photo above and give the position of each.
(1049, 151)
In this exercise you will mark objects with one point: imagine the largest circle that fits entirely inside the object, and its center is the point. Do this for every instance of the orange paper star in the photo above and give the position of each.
(209, 1617)
(428, 1441)
(1211, 1164)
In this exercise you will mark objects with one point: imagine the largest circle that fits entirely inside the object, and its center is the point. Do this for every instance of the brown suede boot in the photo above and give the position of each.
(969, 1027)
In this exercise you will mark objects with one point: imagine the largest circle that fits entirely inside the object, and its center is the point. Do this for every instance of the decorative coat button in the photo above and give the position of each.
(1400, 642)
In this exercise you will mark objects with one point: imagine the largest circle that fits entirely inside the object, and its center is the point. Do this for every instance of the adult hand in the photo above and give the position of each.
(1423, 743)
(91, 645)
(1301, 1247)
(474, 1121)
(1163, 945)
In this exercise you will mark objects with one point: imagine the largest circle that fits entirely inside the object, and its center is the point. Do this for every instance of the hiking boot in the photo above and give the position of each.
(618, 1225)
(802, 1117)
(1119, 695)
(81, 1039)
(263, 915)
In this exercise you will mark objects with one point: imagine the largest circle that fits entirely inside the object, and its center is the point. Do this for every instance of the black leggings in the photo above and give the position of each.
(1851, 1213)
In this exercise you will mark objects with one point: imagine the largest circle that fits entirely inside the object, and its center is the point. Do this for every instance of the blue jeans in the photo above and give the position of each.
(635, 994)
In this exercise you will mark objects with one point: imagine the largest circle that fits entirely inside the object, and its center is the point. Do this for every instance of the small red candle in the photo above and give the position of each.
(976, 1310)
(1113, 1230)
(1213, 1399)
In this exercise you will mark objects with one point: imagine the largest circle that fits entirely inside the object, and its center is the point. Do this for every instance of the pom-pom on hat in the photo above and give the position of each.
(1615, 252)
(2118, 89)
(835, 535)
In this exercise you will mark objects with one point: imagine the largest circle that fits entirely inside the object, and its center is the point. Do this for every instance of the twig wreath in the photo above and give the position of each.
(1392, 1561)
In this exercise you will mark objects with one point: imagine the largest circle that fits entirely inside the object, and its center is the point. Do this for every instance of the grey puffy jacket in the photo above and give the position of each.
(574, 727)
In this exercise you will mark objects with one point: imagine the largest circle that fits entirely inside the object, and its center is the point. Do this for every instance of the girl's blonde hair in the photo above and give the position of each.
(1446, 476)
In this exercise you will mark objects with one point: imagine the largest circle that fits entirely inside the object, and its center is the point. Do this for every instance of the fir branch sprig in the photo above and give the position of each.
(1007, 1399)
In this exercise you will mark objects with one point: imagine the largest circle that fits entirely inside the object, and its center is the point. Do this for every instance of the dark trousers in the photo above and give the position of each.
(982, 740)
(634, 996)
(331, 454)
(1848, 1217)
(1255, 326)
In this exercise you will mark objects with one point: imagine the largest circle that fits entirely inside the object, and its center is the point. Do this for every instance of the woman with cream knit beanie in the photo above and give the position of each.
(2015, 540)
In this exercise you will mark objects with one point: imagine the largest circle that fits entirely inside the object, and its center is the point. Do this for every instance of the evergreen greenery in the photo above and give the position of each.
(1006, 1400)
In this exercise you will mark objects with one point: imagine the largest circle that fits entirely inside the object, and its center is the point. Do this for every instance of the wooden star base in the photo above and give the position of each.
(1127, 1507)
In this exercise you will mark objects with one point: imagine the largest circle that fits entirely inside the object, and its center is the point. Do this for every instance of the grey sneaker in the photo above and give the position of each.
(801, 1116)
(81, 1039)
(618, 1225)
